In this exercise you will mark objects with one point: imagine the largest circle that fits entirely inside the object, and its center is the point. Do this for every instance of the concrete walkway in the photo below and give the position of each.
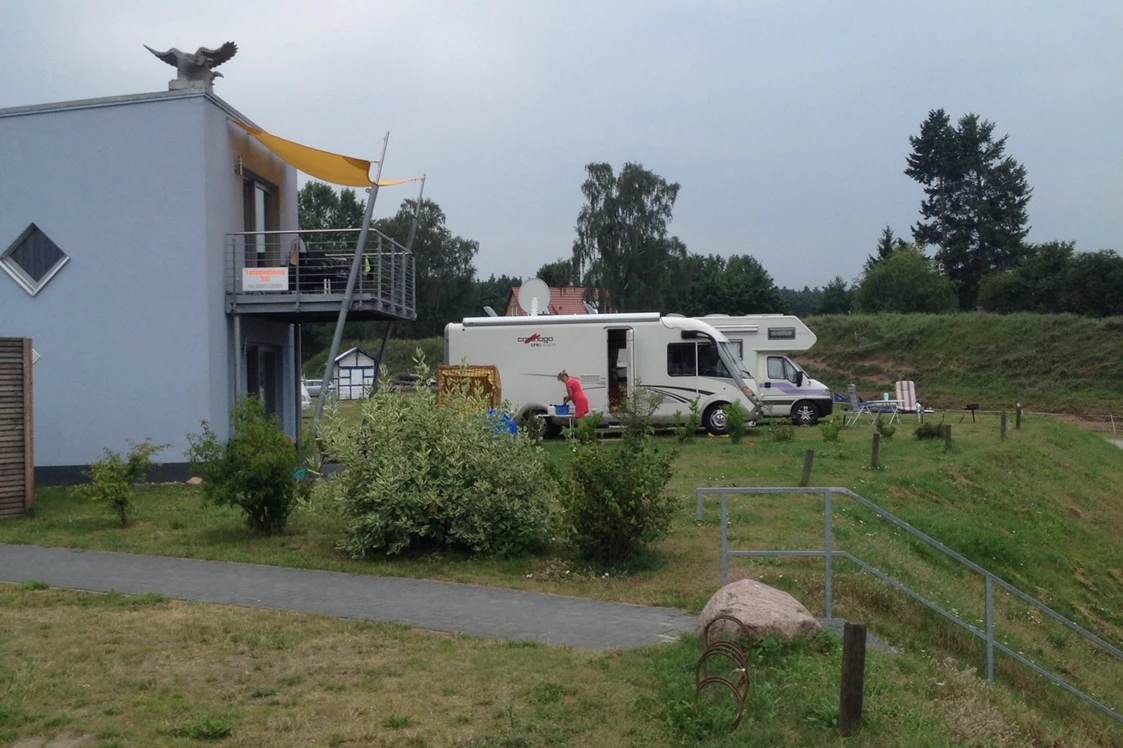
(441, 606)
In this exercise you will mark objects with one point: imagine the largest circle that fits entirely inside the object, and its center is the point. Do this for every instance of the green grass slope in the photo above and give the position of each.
(1049, 363)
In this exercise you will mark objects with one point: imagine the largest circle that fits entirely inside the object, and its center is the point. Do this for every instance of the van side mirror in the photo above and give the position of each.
(799, 379)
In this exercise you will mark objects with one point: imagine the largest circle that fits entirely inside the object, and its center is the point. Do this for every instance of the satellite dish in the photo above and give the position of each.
(534, 297)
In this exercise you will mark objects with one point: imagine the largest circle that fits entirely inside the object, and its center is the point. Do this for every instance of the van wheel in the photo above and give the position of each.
(804, 413)
(714, 419)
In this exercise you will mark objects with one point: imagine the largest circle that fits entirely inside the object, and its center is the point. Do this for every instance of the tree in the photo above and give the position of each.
(496, 292)
(443, 267)
(1054, 278)
(801, 303)
(974, 208)
(886, 246)
(559, 274)
(622, 248)
(907, 282)
(836, 298)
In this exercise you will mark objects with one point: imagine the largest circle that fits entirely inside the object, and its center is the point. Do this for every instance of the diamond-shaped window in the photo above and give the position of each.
(33, 259)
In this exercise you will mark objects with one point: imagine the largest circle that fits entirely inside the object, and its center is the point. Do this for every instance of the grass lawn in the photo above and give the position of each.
(1040, 509)
(146, 671)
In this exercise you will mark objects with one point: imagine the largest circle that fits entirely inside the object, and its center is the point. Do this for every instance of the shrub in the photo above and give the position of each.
(686, 430)
(832, 428)
(112, 478)
(585, 430)
(736, 422)
(422, 471)
(884, 426)
(930, 430)
(204, 727)
(614, 493)
(782, 431)
(256, 470)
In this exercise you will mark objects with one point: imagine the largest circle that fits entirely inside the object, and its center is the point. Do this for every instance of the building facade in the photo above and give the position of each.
(127, 226)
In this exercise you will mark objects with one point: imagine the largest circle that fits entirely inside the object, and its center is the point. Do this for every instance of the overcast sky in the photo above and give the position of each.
(786, 123)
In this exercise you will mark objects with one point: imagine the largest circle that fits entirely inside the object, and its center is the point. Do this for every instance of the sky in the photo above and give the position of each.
(785, 123)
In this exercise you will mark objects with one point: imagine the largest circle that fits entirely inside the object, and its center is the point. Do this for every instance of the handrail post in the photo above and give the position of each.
(698, 503)
(990, 628)
(378, 271)
(724, 539)
(828, 547)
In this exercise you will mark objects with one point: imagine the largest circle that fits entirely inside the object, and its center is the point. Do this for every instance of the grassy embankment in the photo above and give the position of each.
(1049, 363)
(1040, 509)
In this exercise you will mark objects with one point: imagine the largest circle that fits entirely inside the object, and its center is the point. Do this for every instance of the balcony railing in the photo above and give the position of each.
(289, 272)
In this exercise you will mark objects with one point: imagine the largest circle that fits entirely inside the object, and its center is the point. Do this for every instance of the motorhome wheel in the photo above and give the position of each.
(714, 419)
(804, 413)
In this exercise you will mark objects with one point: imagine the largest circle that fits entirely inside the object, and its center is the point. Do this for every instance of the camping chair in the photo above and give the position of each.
(906, 398)
(858, 408)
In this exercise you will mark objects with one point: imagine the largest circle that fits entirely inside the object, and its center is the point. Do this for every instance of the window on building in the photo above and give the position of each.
(259, 210)
(33, 259)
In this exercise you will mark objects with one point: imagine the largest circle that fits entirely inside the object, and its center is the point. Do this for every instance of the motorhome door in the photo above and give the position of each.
(621, 367)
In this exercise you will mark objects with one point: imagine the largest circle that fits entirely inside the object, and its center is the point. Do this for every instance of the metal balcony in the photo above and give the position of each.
(301, 276)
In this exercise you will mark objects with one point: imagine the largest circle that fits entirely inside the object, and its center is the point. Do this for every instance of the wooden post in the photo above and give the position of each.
(1018, 418)
(875, 458)
(1003, 434)
(947, 437)
(808, 461)
(853, 678)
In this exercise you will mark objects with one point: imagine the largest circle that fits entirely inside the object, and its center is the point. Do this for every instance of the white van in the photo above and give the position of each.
(610, 355)
(762, 342)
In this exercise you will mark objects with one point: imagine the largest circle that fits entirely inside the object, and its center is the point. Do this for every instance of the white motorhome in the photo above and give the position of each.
(610, 355)
(762, 342)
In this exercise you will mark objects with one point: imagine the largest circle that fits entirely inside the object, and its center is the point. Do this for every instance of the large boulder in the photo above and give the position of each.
(765, 611)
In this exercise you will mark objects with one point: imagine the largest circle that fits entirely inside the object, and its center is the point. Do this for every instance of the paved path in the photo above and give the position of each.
(1117, 442)
(441, 606)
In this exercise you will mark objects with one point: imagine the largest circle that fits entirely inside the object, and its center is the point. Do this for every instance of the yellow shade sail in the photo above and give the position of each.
(330, 167)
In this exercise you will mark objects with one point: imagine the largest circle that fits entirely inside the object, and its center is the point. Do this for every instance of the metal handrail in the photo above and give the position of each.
(828, 554)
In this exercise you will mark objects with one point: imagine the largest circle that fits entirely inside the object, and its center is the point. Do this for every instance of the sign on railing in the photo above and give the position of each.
(265, 279)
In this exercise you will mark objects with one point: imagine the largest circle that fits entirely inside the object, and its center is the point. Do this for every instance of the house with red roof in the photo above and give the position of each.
(567, 300)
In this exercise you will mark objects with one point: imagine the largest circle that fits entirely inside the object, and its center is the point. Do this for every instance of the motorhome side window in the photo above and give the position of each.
(780, 368)
(681, 358)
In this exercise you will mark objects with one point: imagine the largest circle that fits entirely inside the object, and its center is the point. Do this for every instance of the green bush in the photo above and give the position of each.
(832, 428)
(204, 727)
(884, 426)
(614, 493)
(736, 422)
(420, 472)
(256, 470)
(686, 430)
(782, 431)
(930, 430)
(112, 478)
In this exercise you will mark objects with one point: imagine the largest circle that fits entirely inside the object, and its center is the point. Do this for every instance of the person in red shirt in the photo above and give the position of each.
(574, 394)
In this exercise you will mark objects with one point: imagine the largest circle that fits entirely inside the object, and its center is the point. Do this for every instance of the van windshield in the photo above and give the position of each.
(732, 359)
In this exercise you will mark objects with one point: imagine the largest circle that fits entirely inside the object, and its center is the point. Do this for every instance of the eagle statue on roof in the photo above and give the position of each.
(198, 67)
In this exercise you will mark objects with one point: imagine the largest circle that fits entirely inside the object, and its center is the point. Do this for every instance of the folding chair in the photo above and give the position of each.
(906, 398)
(858, 408)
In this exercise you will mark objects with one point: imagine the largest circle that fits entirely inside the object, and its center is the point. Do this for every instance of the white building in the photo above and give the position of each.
(144, 244)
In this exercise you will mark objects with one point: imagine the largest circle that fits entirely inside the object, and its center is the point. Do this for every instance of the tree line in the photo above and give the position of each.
(968, 251)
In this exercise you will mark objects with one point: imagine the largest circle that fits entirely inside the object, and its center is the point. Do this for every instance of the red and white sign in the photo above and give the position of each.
(265, 279)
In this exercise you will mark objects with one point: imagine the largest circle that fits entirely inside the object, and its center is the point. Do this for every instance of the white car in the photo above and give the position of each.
(305, 397)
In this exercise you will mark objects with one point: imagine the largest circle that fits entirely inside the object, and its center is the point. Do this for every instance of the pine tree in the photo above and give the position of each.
(974, 208)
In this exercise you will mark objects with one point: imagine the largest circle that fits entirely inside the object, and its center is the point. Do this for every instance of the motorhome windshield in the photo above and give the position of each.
(732, 361)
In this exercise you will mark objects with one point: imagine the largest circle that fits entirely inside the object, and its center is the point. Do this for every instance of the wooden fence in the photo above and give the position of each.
(17, 475)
